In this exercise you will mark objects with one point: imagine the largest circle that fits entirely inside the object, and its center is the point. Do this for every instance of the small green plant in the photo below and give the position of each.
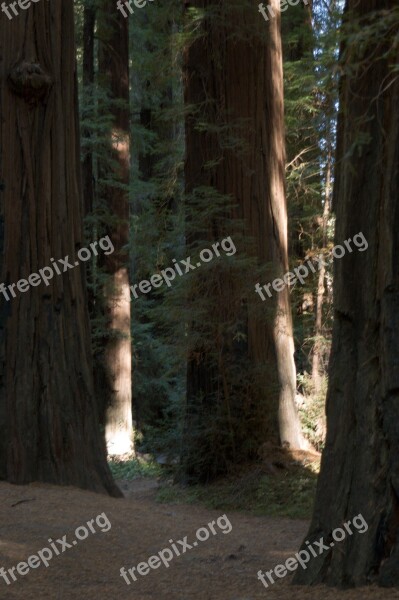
(133, 468)
(312, 412)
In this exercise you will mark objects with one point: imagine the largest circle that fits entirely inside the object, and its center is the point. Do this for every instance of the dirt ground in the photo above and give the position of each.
(221, 568)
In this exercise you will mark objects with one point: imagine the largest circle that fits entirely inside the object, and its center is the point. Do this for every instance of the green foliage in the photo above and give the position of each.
(134, 468)
(206, 311)
(211, 303)
(311, 102)
(156, 222)
(312, 411)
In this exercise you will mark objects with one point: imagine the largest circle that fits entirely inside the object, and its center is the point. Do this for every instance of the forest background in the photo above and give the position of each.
(198, 122)
(166, 225)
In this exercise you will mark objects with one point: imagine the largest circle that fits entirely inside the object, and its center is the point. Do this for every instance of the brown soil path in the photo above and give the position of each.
(222, 568)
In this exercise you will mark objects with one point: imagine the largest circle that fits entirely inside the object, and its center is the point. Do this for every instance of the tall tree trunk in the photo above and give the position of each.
(317, 354)
(360, 464)
(236, 78)
(48, 415)
(114, 79)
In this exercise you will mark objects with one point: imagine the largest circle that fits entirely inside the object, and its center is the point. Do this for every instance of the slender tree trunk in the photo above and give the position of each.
(48, 416)
(317, 355)
(114, 79)
(360, 464)
(237, 78)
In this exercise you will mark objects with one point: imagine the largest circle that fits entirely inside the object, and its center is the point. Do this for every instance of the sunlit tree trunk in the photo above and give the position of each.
(114, 79)
(239, 76)
(317, 353)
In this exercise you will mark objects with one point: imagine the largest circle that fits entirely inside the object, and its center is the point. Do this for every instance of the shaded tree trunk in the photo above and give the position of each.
(48, 415)
(233, 72)
(360, 464)
(114, 79)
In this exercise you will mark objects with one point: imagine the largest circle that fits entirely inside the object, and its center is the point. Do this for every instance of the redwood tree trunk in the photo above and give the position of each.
(114, 79)
(360, 464)
(48, 416)
(233, 76)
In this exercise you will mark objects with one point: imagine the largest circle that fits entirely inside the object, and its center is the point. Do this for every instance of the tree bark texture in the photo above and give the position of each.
(360, 463)
(114, 79)
(234, 72)
(48, 415)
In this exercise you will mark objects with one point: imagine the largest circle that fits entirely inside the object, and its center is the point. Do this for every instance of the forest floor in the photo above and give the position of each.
(221, 568)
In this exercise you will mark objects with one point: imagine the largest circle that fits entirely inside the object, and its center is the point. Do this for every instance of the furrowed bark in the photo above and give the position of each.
(360, 464)
(48, 416)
